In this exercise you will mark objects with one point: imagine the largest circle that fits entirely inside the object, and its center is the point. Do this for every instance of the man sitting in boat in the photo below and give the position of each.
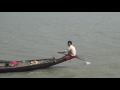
(70, 52)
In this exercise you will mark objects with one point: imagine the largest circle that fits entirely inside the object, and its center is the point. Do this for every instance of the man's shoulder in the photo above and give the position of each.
(72, 46)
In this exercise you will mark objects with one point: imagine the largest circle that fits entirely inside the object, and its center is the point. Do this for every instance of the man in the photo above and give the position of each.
(70, 52)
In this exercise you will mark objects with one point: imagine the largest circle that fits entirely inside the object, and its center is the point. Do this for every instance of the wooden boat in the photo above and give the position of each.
(27, 65)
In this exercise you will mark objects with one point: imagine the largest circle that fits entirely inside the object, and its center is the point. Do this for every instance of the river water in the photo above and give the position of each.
(36, 35)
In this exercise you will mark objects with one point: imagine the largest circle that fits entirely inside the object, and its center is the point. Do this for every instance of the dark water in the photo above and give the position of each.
(35, 35)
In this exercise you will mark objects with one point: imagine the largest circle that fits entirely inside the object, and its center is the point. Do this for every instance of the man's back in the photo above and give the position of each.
(72, 50)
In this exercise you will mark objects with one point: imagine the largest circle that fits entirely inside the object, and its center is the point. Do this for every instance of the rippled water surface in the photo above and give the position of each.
(35, 35)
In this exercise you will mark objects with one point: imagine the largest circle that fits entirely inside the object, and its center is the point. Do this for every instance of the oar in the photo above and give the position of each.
(76, 57)
(83, 60)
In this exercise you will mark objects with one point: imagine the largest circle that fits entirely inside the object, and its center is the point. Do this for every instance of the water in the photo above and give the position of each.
(35, 35)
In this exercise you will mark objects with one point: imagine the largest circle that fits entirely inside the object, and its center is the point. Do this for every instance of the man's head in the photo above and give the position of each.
(69, 43)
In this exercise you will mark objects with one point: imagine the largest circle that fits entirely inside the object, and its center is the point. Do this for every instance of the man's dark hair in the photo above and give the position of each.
(70, 42)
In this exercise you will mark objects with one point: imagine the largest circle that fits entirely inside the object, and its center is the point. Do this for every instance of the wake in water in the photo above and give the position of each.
(88, 63)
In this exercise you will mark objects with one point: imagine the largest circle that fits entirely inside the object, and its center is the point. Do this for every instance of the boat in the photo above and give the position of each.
(27, 65)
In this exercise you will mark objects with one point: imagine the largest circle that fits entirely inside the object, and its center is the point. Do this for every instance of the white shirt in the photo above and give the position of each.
(71, 50)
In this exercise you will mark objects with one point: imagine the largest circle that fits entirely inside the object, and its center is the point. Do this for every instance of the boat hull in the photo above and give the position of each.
(26, 66)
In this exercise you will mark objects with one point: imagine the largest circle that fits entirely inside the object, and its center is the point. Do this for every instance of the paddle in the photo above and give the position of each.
(77, 58)
(83, 60)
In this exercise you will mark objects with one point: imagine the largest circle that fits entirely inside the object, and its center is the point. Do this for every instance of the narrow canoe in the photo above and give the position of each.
(27, 65)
